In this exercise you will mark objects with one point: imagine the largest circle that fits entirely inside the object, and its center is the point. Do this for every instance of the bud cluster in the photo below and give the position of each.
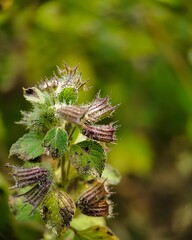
(56, 124)
(85, 116)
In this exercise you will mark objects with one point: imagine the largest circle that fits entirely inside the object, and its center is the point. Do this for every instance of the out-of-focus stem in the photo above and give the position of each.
(68, 165)
(63, 175)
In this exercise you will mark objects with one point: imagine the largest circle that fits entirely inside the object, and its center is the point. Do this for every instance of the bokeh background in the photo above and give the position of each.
(139, 53)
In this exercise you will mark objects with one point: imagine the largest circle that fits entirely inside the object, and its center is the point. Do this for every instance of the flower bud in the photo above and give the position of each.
(71, 77)
(95, 202)
(103, 133)
(99, 109)
(57, 211)
(36, 195)
(73, 114)
(28, 176)
(67, 208)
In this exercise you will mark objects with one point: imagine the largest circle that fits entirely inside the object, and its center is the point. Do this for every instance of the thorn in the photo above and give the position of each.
(66, 67)
(75, 69)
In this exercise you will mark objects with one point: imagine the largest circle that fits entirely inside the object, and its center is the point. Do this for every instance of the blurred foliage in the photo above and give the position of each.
(140, 53)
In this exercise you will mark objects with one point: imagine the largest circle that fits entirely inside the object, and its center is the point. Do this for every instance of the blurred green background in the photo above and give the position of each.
(139, 53)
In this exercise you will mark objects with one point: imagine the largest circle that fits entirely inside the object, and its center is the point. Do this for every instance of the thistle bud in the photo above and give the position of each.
(103, 133)
(71, 113)
(99, 109)
(95, 202)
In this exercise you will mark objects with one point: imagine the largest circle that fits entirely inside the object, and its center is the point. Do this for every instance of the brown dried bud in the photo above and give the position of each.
(36, 195)
(67, 208)
(99, 109)
(73, 114)
(103, 133)
(28, 176)
(95, 202)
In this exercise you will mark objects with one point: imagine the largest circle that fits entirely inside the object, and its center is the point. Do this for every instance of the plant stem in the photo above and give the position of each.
(71, 140)
(68, 166)
(63, 176)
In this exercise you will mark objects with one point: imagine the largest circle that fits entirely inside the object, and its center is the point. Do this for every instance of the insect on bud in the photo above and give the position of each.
(103, 133)
(95, 202)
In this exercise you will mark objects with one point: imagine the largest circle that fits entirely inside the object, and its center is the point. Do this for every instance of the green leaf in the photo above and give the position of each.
(88, 158)
(111, 174)
(95, 233)
(68, 96)
(55, 142)
(82, 221)
(69, 235)
(22, 213)
(28, 147)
